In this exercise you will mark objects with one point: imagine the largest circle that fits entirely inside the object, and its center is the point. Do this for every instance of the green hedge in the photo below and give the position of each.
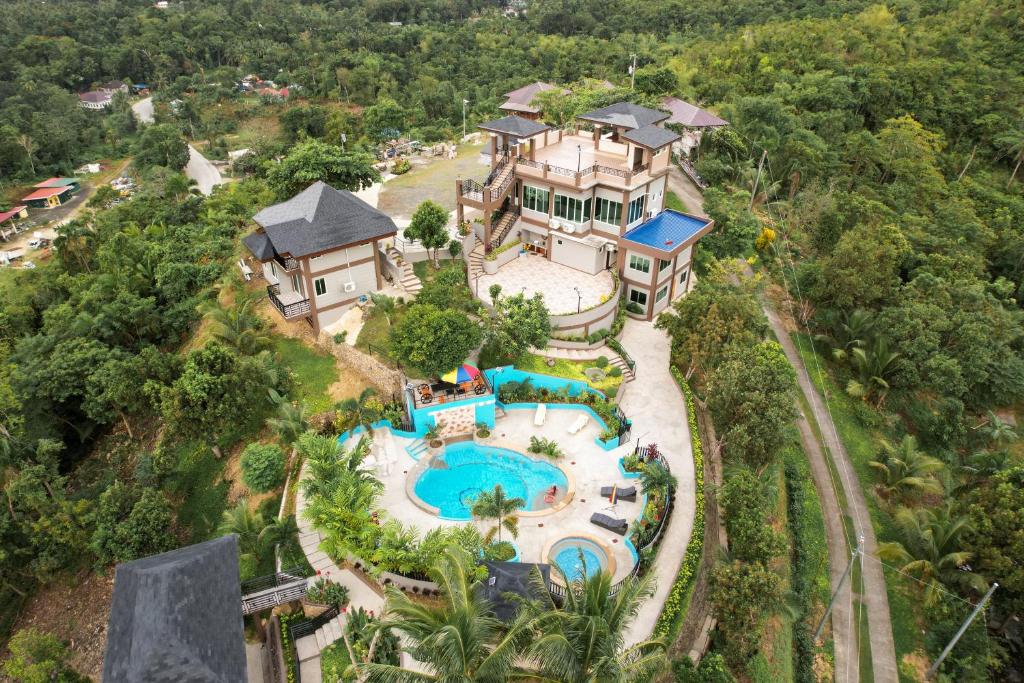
(492, 255)
(674, 610)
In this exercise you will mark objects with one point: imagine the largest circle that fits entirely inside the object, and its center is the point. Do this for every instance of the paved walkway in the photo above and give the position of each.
(558, 283)
(658, 410)
(875, 597)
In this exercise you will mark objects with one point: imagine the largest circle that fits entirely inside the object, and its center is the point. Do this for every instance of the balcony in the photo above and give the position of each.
(290, 304)
(288, 263)
(574, 159)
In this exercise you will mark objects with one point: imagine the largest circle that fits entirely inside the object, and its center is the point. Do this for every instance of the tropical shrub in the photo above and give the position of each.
(262, 466)
(327, 592)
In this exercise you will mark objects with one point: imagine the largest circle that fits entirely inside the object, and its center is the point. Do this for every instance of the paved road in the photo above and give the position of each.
(199, 167)
(684, 188)
(875, 597)
(144, 110)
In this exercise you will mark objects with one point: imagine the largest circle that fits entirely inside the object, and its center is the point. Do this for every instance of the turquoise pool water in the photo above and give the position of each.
(572, 555)
(456, 478)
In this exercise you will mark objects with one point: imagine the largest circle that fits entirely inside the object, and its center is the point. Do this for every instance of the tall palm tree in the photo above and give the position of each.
(239, 327)
(905, 470)
(289, 422)
(999, 431)
(359, 411)
(256, 536)
(584, 640)
(458, 639)
(496, 505)
(932, 550)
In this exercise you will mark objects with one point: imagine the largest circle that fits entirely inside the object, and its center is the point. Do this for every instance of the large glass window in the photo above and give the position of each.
(662, 293)
(535, 199)
(636, 209)
(641, 263)
(607, 211)
(572, 209)
(663, 264)
(638, 297)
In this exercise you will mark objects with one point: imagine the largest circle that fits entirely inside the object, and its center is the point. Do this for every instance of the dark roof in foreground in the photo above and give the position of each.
(515, 125)
(691, 115)
(318, 219)
(651, 136)
(515, 578)
(625, 115)
(177, 617)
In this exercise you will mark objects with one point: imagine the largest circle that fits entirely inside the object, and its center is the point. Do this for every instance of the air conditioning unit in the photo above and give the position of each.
(350, 286)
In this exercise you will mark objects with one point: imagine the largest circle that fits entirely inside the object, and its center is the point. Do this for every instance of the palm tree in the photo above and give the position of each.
(656, 477)
(847, 331)
(1013, 144)
(999, 431)
(904, 469)
(385, 304)
(458, 639)
(360, 411)
(239, 327)
(289, 423)
(931, 550)
(584, 639)
(256, 536)
(874, 366)
(496, 505)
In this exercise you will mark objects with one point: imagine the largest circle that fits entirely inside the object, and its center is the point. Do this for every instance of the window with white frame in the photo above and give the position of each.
(661, 294)
(640, 263)
(320, 285)
(636, 209)
(637, 296)
(682, 276)
(535, 199)
(297, 283)
(607, 211)
(663, 264)
(572, 209)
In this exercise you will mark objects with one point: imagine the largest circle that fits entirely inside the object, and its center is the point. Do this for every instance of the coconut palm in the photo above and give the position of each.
(289, 422)
(457, 639)
(239, 327)
(256, 536)
(999, 431)
(847, 331)
(932, 550)
(874, 366)
(361, 411)
(385, 305)
(496, 505)
(584, 639)
(1012, 143)
(905, 470)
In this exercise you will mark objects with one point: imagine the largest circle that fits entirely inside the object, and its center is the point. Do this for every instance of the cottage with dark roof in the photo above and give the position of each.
(321, 251)
(177, 617)
(520, 102)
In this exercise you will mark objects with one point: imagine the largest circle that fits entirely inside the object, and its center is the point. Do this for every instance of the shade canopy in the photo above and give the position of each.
(463, 373)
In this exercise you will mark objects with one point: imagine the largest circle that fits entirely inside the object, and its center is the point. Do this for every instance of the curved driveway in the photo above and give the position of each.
(199, 167)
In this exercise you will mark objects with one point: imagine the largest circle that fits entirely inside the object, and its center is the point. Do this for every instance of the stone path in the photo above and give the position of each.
(658, 409)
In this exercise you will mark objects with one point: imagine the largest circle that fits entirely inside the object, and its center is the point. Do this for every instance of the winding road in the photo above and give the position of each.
(199, 168)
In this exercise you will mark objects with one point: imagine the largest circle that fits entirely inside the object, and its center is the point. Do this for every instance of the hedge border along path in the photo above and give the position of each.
(674, 610)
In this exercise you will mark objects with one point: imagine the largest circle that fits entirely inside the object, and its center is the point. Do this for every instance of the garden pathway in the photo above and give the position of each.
(658, 409)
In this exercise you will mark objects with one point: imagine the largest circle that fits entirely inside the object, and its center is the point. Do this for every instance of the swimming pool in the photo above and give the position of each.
(573, 554)
(455, 478)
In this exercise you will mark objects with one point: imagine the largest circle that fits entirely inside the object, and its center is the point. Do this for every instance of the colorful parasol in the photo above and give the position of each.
(463, 373)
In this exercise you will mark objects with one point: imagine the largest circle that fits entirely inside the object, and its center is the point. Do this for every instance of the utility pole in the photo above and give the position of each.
(632, 72)
(757, 180)
(464, 103)
(853, 558)
(977, 608)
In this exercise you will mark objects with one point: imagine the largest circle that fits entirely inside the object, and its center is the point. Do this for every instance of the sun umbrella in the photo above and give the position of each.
(463, 373)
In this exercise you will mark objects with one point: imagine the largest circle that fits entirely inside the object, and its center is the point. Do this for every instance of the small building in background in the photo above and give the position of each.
(519, 102)
(51, 192)
(693, 120)
(95, 100)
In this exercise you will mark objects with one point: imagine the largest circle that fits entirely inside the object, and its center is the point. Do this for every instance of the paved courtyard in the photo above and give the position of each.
(531, 274)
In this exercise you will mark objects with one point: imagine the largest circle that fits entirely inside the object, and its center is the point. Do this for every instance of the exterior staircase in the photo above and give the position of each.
(502, 228)
(417, 448)
(627, 372)
(407, 280)
(476, 262)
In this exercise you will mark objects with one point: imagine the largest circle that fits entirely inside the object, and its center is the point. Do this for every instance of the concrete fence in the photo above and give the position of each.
(599, 317)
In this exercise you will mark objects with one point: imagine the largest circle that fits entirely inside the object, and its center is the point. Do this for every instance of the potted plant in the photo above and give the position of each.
(433, 436)
(483, 432)
(323, 595)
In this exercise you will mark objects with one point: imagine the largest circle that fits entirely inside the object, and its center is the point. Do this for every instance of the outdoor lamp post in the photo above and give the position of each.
(464, 103)
(579, 157)
(579, 299)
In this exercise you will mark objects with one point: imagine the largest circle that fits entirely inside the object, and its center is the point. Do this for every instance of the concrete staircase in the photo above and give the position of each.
(614, 359)
(407, 280)
(502, 228)
(417, 448)
(476, 262)
(627, 373)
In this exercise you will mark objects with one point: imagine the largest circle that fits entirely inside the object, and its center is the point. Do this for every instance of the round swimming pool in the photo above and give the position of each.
(455, 479)
(574, 555)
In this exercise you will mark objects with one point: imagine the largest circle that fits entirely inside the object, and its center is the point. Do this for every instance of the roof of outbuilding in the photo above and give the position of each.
(57, 182)
(177, 616)
(46, 192)
(318, 219)
(94, 96)
(691, 115)
(15, 210)
(515, 125)
(525, 94)
(511, 577)
(652, 137)
(625, 115)
(259, 244)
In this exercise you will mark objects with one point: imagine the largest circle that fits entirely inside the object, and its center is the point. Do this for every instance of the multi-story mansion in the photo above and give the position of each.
(591, 198)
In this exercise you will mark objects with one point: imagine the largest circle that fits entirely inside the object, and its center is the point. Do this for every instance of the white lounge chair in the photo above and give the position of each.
(542, 411)
(579, 424)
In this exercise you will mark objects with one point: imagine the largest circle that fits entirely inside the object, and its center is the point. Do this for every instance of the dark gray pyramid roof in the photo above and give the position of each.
(625, 115)
(651, 137)
(177, 617)
(319, 218)
(515, 125)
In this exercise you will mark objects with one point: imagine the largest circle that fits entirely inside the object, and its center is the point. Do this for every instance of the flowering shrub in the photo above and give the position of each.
(672, 612)
(326, 592)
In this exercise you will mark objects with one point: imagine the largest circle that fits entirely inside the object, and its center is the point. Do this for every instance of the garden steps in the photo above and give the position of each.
(592, 354)
(307, 648)
(417, 448)
(476, 261)
(407, 279)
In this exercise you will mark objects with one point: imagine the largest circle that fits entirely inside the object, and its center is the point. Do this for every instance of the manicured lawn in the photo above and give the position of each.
(314, 372)
(571, 369)
(862, 446)
(435, 181)
(425, 270)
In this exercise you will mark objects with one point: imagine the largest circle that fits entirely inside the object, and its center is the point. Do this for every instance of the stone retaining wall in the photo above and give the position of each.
(386, 380)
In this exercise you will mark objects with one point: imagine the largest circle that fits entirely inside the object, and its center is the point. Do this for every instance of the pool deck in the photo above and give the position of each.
(589, 466)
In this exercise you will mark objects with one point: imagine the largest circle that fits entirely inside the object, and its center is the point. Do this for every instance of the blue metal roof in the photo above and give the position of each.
(667, 230)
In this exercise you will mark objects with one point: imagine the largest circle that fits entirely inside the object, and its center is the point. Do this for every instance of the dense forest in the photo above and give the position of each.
(871, 170)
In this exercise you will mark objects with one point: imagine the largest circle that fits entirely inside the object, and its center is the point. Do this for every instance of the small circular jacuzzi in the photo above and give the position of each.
(579, 556)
